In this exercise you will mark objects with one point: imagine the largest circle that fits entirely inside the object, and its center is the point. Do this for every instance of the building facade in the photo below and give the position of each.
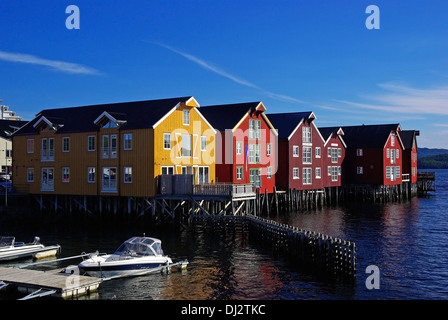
(114, 149)
(246, 144)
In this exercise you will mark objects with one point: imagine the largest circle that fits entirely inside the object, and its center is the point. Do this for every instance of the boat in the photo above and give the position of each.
(10, 249)
(136, 256)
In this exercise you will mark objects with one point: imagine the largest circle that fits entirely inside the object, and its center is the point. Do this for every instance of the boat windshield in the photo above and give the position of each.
(6, 241)
(140, 246)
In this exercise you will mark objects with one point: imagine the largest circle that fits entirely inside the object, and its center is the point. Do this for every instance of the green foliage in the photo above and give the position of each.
(439, 161)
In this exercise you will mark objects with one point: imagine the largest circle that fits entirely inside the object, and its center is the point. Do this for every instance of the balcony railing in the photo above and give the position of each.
(109, 152)
(47, 154)
(109, 185)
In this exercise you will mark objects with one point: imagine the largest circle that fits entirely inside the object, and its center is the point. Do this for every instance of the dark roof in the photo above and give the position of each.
(326, 132)
(407, 137)
(365, 136)
(227, 116)
(7, 127)
(285, 123)
(137, 114)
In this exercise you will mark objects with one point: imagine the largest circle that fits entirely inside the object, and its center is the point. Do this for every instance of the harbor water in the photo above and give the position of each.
(405, 240)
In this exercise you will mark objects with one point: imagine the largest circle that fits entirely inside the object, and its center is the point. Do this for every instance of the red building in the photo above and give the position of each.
(245, 144)
(303, 161)
(333, 155)
(374, 154)
(409, 138)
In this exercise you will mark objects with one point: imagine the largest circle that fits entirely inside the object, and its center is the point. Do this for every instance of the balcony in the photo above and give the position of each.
(47, 154)
(109, 152)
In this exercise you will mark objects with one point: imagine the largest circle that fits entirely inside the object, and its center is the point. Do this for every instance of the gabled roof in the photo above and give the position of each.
(287, 123)
(130, 115)
(229, 116)
(8, 127)
(367, 136)
(407, 136)
(327, 133)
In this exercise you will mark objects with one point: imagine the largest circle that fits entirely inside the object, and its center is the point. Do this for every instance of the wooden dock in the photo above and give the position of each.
(55, 284)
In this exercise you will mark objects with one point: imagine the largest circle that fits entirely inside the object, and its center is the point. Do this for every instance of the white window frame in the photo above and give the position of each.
(65, 174)
(186, 117)
(268, 149)
(89, 140)
(359, 152)
(239, 148)
(306, 135)
(65, 144)
(127, 175)
(269, 172)
(167, 141)
(167, 169)
(239, 173)
(30, 146)
(307, 176)
(295, 173)
(307, 155)
(203, 143)
(295, 151)
(127, 141)
(318, 173)
(30, 175)
(359, 170)
(317, 152)
(91, 172)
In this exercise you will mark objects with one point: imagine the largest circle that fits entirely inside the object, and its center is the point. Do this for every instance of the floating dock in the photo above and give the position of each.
(50, 283)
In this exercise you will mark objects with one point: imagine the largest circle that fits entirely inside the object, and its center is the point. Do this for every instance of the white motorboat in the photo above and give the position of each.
(10, 249)
(136, 256)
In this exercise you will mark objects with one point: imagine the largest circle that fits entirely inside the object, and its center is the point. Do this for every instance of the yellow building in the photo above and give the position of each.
(114, 149)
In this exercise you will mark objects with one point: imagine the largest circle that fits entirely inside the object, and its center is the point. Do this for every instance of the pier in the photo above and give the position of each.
(48, 283)
(334, 256)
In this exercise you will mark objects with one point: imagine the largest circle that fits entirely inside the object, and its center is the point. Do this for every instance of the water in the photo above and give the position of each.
(407, 241)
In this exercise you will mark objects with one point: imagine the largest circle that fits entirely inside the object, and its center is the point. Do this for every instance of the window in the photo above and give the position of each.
(186, 145)
(167, 170)
(110, 124)
(65, 174)
(387, 153)
(30, 146)
(91, 143)
(392, 156)
(8, 153)
(65, 144)
(359, 152)
(127, 144)
(306, 134)
(203, 175)
(239, 173)
(166, 141)
(109, 179)
(239, 148)
(397, 153)
(317, 154)
(306, 155)
(268, 149)
(255, 177)
(30, 175)
(203, 143)
(397, 172)
(269, 172)
(295, 151)
(339, 152)
(254, 153)
(295, 173)
(127, 174)
(334, 173)
(254, 129)
(186, 117)
(47, 181)
(318, 173)
(91, 174)
(334, 155)
(47, 152)
(359, 170)
(306, 178)
(110, 146)
(392, 140)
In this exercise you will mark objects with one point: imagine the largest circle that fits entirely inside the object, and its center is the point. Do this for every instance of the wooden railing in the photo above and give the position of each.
(224, 189)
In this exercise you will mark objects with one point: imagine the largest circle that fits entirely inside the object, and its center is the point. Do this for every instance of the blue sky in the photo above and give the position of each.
(299, 55)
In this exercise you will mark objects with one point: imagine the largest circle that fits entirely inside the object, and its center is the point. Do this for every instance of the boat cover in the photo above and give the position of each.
(140, 246)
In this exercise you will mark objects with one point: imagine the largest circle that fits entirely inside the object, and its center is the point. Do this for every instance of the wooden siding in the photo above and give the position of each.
(173, 125)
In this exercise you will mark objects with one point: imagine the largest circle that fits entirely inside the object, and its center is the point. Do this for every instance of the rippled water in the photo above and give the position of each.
(406, 240)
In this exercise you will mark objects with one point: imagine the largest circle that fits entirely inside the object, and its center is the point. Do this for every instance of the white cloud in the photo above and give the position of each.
(406, 100)
(62, 66)
(221, 72)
